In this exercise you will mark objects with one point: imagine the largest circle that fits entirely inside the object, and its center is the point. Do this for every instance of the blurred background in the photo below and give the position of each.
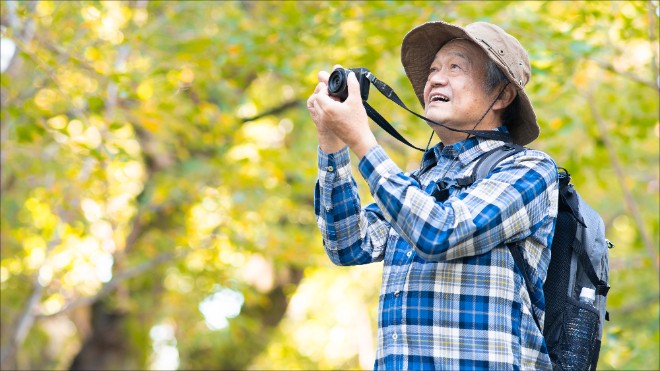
(158, 169)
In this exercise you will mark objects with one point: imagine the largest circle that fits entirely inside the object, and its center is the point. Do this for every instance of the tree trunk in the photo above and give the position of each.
(107, 347)
(245, 340)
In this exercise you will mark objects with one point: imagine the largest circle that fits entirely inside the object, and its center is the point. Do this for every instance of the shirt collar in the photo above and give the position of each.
(467, 150)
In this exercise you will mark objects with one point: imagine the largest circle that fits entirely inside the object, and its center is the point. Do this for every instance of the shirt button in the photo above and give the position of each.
(409, 253)
(330, 168)
(396, 293)
(395, 336)
(327, 208)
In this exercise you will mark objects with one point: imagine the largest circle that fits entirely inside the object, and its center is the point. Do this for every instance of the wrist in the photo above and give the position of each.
(364, 145)
(330, 143)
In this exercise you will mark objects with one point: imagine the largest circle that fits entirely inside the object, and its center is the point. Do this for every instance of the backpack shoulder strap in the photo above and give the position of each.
(487, 163)
(483, 167)
(519, 261)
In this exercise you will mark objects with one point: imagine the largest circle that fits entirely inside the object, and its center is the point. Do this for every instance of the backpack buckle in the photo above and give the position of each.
(564, 177)
(441, 190)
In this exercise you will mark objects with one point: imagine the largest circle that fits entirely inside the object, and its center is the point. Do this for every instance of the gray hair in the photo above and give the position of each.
(495, 79)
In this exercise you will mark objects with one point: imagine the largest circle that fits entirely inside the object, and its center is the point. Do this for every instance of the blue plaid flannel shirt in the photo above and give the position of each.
(451, 296)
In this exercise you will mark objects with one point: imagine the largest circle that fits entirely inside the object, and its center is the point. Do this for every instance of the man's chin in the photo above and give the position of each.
(436, 118)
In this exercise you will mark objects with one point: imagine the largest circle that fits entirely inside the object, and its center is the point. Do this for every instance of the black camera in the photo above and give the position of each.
(338, 82)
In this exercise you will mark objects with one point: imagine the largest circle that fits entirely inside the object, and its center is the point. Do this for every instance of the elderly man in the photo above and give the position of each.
(451, 296)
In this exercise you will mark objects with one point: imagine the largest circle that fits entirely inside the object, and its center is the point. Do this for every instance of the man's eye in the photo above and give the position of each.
(455, 66)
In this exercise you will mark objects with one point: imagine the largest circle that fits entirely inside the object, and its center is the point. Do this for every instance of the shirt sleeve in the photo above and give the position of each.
(351, 235)
(511, 204)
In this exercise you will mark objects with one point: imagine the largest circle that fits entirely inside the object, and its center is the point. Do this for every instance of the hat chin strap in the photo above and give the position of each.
(389, 93)
(488, 110)
(441, 191)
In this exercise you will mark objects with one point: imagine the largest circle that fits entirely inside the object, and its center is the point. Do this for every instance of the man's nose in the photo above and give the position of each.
(438, 79)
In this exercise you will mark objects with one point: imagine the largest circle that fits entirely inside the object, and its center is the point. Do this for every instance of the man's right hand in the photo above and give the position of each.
(328, 141)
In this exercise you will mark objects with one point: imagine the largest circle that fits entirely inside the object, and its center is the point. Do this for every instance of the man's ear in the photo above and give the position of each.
(505, 98)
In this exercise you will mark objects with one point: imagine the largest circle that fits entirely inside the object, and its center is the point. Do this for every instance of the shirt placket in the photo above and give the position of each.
(330, 178)
(395, 335)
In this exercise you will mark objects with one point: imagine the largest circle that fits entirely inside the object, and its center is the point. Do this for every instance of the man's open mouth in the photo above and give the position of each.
(438, 98)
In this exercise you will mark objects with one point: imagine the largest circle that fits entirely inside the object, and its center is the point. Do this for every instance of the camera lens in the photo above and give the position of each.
(337, 81)
(337, 84)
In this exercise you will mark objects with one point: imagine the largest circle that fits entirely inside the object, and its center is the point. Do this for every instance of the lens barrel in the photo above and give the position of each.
(338, 83)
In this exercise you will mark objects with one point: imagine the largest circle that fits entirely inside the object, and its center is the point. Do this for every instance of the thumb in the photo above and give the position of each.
(322, 97)
(353, 87)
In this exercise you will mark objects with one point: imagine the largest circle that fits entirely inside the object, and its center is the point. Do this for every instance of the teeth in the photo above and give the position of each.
(435, 98)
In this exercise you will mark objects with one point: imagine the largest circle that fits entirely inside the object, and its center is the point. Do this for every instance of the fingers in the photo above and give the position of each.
(322, 98)
(320, 95)
(319, 98)
(320, 87)
(323, 77)
(353, 86)
(310, 103)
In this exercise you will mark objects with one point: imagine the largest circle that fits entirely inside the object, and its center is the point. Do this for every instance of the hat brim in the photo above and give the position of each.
(418, 51)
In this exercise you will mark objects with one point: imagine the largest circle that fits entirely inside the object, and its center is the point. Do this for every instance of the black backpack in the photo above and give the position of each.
(579, 259)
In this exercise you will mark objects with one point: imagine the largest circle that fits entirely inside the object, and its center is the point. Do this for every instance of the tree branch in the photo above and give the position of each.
(20, 32)
(631, 205)
(66, 56)
(626, 74)
(281, 108)
(27, 316)
(114, 283)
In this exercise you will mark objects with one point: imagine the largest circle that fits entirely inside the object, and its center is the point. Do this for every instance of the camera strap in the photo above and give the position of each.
(382, 122)
(389, 93)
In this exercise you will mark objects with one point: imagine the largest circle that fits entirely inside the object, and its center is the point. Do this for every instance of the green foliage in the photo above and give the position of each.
(126, 154)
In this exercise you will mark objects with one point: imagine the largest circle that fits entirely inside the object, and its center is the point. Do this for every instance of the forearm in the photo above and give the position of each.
(499, 209)
(350, 235)
(360, 143)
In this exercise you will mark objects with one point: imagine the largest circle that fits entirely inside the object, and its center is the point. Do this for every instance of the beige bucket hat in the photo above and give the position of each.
(421, 44)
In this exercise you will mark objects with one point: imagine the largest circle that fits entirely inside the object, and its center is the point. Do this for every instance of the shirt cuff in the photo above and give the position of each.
(333, 166)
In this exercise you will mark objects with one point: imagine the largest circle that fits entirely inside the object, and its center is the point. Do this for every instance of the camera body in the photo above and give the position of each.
(338, 82)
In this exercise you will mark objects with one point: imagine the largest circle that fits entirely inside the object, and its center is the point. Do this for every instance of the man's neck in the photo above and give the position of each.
(449, 137)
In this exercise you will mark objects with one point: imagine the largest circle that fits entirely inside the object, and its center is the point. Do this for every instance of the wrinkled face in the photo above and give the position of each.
(454, 93)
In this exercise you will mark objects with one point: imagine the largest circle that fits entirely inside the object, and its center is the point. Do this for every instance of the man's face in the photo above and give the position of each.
(454, 93)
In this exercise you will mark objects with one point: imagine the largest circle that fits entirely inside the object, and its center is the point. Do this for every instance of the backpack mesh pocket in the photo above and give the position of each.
(579, 347)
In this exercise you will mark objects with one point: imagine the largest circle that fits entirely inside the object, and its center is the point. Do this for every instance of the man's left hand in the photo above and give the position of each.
(348, 119)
